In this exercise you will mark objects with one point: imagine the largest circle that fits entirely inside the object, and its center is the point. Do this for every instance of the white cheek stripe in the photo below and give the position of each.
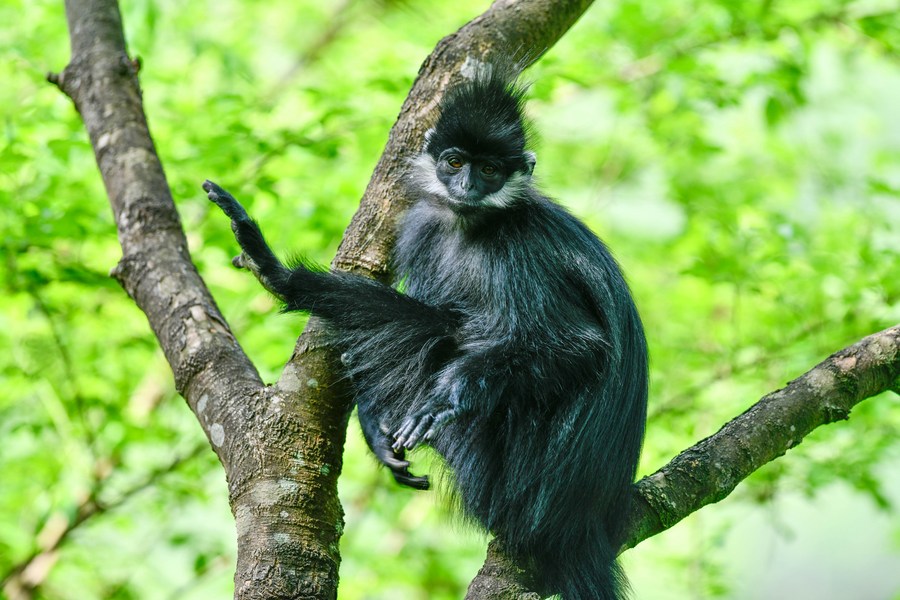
(424, 174)
(513, 190)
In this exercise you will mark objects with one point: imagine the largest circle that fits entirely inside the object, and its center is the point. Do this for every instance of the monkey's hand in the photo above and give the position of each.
(255, 256)
(238, 215)
(424, 423)
(422, 426)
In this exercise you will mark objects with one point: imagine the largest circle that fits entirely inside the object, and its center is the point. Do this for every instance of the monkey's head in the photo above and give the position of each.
(474, 156)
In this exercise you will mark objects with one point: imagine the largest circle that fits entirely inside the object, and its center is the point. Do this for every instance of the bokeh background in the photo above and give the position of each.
(742, 159)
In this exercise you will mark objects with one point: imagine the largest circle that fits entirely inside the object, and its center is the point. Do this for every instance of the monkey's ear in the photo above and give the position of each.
(428, 135)
(530, 161)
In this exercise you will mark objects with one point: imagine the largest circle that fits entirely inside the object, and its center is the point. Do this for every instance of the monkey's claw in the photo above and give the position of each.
(404, 477)
(399, 466)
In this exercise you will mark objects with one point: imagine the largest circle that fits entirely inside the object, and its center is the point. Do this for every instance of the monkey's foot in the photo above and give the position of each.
(231, 207)
(404, 477)
(396, 461)
(421, 427)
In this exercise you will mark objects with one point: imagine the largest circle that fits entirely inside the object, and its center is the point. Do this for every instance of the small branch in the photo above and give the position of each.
(708, 471)
(24, 577)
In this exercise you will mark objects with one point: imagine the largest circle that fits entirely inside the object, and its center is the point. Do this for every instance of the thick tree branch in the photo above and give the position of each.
(155, 268)
(281, 447)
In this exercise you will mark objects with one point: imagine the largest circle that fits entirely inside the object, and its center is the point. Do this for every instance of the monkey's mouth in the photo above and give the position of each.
(464, 206)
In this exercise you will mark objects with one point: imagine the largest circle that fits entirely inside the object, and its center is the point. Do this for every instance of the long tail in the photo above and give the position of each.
(584, 571)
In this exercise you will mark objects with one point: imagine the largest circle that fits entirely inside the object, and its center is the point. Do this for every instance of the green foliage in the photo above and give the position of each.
(741, 159)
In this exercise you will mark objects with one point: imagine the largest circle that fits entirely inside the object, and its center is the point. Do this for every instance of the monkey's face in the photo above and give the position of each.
(468, 182)
(469, 178)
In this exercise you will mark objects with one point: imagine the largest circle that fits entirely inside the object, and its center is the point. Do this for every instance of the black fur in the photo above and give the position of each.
(482, 115)
(516, 351)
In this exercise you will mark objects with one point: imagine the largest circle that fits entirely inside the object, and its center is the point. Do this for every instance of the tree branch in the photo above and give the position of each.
(708, 471)
(155, 268)
(277, 462)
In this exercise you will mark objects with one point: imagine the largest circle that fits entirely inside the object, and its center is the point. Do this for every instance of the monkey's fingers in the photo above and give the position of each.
(440, 419)
(412, 430)
(231, 207)
(390, 458)
(404, 477)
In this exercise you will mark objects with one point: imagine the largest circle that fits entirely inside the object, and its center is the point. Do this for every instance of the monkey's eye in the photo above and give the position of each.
(455, 162)
(489, 170)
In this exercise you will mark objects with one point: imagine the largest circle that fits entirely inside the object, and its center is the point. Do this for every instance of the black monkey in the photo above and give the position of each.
(516, 350)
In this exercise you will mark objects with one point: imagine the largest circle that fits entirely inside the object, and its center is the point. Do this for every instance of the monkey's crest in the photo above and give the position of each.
(484, 115)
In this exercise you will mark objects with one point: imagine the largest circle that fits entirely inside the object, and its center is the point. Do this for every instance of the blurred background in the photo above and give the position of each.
(742, 160)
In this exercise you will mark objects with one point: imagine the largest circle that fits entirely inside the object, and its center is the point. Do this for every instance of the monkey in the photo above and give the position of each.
(515, 349)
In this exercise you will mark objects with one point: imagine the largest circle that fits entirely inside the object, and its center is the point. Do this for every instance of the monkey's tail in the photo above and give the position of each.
(582, 571)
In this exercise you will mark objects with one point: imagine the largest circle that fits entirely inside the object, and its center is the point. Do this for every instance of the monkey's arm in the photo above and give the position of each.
(477, 379)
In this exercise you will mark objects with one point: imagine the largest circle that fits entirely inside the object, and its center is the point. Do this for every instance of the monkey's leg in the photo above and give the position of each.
(256, 256)
(389, 330)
